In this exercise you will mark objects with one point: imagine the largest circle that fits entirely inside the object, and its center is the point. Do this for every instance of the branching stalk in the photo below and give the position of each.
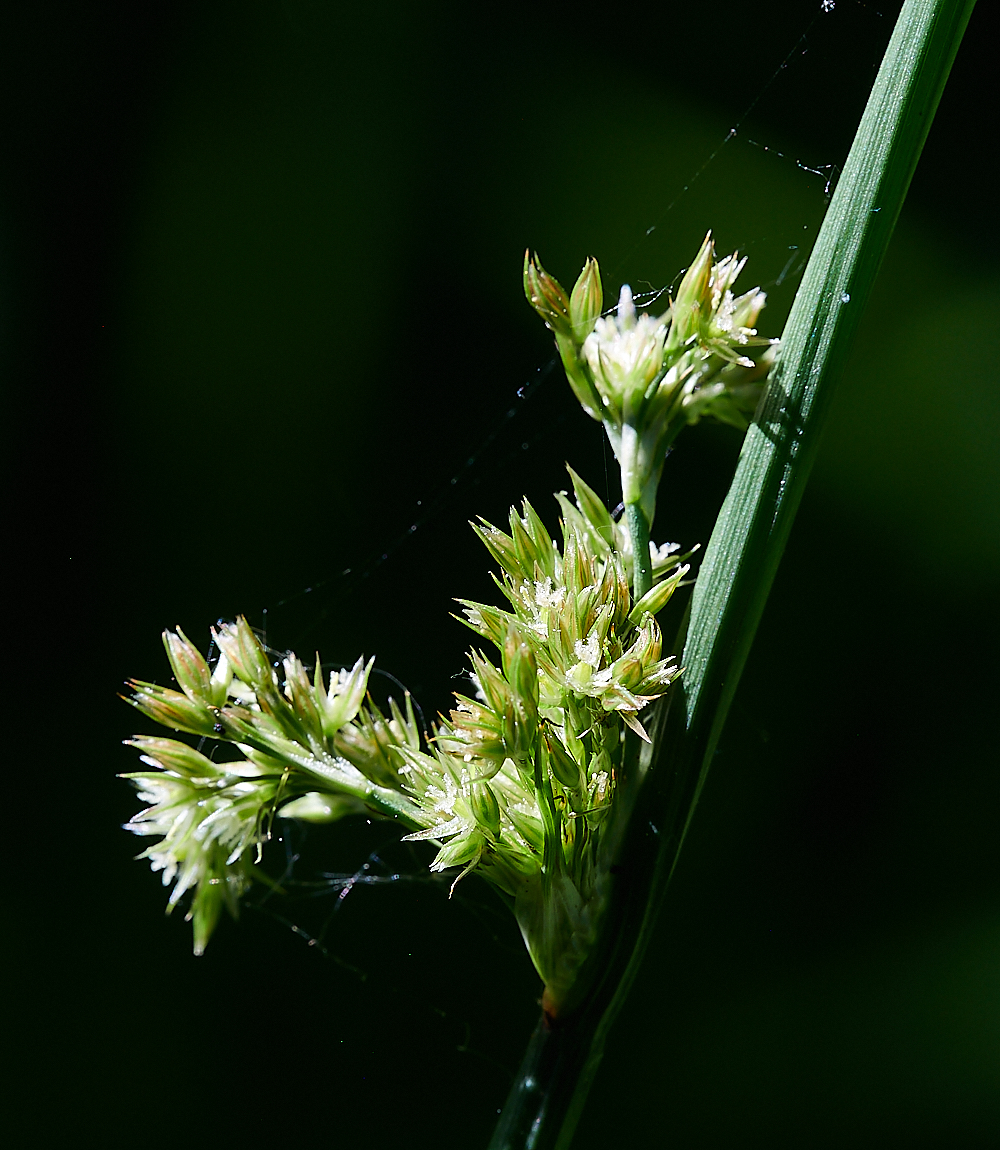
(638, 530)
(549, 1092)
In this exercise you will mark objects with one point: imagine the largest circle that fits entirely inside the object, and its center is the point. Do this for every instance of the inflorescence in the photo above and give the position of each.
(520, 783)
(645, 377)
(530, 780)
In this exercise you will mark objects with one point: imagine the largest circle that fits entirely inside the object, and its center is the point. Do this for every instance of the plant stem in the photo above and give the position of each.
(743, 553)
(638, 531)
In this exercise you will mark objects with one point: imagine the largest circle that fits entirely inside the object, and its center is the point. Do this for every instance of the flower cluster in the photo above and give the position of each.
(646, 376)
(309, 750)
(210, 816)
(527, 781)
(531, 778)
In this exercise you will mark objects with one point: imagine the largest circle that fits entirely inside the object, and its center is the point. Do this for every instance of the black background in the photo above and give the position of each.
(261, 295)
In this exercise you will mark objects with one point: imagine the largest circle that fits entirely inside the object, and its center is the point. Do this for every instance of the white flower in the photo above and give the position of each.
(660, 555)
(548, 596)
(209, 821)
(590, 651)
(625, 355)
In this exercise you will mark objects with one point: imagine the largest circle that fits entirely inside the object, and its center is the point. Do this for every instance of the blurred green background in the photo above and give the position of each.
(267, 352)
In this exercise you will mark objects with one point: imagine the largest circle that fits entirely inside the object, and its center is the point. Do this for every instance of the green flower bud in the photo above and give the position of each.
(171, 755)
(520, 862)
(692, 296)
(527, 552)
(206, 906)
(529, 827)
(546, 296)
(629, 672)
(565, 768)
(222, 678)
(545, 552)
(501, 547)
(747, 307)
(657, 597)
(586, 301)
(518, 734)
(189, 667)
(485, 808)
(490, 622)
(343, 700)
(521, 672)
(245, 652)
(172, 708)
(625, 355)
(461, 851)
(301, 695)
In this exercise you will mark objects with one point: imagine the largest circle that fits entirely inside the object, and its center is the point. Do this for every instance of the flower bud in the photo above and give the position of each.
(546, 296)
(490, 622)
(460, 851)
(189, 667)
(629, 672)
(300, 692)
(485, 808)
(343, 700)
(657, 597)
(528, 827)
(244, 651)
(521, 864)
(625, 354)
(564, 766)
(747, 307)
(692, 296)
(222, 676)
(172, 708)
(586, 301)
(500, 546)
(521, 672)
(206, 906)
(171, 755)
(527, 551)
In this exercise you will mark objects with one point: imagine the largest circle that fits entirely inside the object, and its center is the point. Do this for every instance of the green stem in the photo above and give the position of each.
(638, 531)
(544, 1084)
(743, 553)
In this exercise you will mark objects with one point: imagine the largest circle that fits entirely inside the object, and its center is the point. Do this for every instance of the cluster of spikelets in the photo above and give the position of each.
(531, 778)
(647, 376)
(521, 782)
(299, 740)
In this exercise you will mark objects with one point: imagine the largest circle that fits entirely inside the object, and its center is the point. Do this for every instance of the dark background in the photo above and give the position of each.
(263, 318)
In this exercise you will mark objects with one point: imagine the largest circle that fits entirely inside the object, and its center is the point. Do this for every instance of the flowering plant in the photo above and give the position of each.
(531, 780)
(536, 780)
(528, 782)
